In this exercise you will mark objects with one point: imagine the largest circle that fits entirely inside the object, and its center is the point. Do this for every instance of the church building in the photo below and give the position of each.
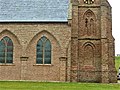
(57, 40)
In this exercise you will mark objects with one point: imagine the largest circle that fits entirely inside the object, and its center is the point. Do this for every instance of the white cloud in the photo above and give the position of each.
(116, 23)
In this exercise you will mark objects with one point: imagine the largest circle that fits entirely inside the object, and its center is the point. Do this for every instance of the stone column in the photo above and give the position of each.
(74, 60)
(112, 69)
(74, 42)
(104, 44)
(63, 62)
(104, 60)
(23, 67)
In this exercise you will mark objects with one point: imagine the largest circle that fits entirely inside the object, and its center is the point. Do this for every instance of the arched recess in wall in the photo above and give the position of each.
(13, 37)
(89, 54)
(89, 23)
(13, 46)
(42, 33)
(39, 35)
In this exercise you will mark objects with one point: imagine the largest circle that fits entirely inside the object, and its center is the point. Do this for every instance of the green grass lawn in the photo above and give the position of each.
(13, 85)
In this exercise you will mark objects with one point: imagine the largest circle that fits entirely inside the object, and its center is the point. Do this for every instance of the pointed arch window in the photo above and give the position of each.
(6, 50)
(43, 51)
(89, 26)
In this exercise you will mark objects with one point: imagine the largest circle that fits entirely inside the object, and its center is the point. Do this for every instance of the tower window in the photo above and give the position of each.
(89, 1)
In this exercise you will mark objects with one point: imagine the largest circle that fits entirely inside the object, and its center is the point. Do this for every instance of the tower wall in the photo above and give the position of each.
(92, 45)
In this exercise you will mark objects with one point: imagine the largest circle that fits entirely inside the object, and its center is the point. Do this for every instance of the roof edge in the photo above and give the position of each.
(32, 21)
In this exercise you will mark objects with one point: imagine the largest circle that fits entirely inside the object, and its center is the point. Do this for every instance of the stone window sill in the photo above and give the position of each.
(42, 65)
(7, 64)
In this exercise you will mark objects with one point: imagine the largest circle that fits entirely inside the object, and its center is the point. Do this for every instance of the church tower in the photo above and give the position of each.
(92, 43)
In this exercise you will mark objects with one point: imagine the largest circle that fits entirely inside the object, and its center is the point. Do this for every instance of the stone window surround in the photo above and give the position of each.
(5, 40)
(43, 51)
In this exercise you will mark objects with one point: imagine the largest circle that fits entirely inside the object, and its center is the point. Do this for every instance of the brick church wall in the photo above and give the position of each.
(25, 37)
(82, 48)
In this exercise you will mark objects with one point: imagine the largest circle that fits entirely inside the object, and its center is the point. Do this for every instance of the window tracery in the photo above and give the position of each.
(43, 51)
(89, 21)
(6, 50)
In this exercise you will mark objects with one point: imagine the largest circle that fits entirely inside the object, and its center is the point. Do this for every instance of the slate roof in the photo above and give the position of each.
(33, 10)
